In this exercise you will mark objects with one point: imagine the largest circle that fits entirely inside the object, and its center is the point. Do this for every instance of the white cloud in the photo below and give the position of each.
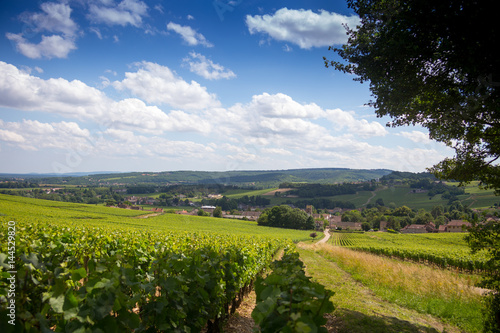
(10, 136)
(54, 18)
(276, 151)
(54, 46)
(189, 35)
(206, 68)
(75, 100)
(37, 135)
(158, 84)
(416, 136)
(283, 106)
(124, 13)
(304, 28)
(68, 98)
(357, 127)
(96, 31)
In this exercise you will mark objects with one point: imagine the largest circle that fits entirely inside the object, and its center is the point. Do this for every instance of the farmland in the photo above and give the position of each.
(83, 266)
(446, 250)
(94, 264)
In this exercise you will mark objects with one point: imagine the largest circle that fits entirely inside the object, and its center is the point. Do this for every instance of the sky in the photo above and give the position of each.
(130, 85)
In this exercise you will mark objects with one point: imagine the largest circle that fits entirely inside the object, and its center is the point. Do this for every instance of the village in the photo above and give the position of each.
(331, 219)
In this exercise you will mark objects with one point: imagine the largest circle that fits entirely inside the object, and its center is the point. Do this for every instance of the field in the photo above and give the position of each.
(120, 270)
(80, 266)
(378, 294)
(446, 250)
(401, 195)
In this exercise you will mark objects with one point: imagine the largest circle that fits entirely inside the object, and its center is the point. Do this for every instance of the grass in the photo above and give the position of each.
(439, 293)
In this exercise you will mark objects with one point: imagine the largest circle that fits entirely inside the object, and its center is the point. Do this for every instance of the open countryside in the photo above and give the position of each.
(249, 166)
(181, 223)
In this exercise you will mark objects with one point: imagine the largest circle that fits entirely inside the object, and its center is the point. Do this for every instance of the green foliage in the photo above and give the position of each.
(76, 278)
(217, 212)
(366, 226)
(288, 301)
(486, 237)
(286, 217)
(426, 67)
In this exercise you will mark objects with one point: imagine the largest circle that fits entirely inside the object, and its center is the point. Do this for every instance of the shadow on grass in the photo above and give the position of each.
(353, 321)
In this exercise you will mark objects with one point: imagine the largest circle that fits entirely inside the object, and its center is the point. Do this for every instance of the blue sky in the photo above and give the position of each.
(112, 85)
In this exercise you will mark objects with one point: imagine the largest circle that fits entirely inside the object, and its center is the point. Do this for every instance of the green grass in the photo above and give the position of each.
(359, 309)
(393, 292)
(24, 210)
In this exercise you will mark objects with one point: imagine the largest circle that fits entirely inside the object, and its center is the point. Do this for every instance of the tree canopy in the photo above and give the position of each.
(435, 64)
(286, 217)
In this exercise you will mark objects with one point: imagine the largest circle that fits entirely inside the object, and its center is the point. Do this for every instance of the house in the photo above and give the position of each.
(431, 227)
(442, 228)
(318, 224)
(457, 226)
(251, 215)
(334, 220)
(414, 229)
(208, 209)
(349, 225)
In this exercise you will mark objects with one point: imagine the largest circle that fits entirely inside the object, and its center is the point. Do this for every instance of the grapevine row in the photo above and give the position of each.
(78, 278)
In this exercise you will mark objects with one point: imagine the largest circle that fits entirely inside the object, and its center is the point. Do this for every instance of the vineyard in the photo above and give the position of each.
(81, 269)
(447, 250)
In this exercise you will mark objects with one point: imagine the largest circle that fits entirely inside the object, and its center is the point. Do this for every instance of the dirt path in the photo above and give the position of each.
(374, 193)
(326, 238)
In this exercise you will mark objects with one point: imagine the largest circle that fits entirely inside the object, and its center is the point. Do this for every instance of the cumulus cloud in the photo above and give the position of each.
(283, 106)
(416, 136)
(359, 127)
(9, 136)
(304, 28)
(54, 46)
(189, 35)
(124, 13)
(54, 18)
(206, 68)
(37, 135)
(158, 84)
(75, 100)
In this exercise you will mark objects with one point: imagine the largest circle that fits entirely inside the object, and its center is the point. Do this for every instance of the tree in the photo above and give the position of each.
(217, 212)
(286, 217)
(435, 64)
(486, 237)
(366, 226)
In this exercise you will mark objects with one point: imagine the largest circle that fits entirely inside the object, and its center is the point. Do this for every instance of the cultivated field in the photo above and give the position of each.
(446, 250)
(99, 267)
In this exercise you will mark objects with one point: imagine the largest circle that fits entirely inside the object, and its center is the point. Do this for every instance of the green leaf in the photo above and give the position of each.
(78, 274)
(57, 303)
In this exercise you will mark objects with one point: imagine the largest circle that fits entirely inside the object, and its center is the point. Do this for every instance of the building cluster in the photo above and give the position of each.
(332, 218)
(452, 226)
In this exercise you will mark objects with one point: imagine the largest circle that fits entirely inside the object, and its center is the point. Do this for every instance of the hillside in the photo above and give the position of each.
(259, 178)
